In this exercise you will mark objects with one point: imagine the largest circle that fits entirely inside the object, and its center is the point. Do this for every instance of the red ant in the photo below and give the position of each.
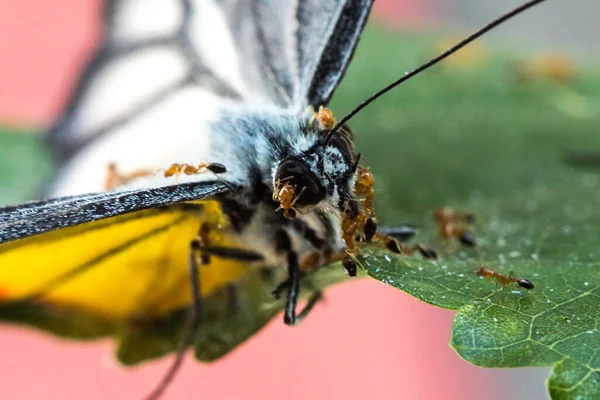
(453, 224)
(285, 195)
(361, 222)
(188, 169)
(503, 279)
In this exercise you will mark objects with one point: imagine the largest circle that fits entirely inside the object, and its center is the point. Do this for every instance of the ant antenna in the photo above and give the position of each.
(432, 62)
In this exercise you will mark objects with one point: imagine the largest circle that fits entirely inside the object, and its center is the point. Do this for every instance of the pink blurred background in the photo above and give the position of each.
(367, 341)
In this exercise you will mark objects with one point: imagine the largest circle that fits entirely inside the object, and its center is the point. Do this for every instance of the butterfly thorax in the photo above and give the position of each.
(288, 176)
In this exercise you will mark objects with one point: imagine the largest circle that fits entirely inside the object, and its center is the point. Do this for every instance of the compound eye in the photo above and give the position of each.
(343, 143)
(308, 189)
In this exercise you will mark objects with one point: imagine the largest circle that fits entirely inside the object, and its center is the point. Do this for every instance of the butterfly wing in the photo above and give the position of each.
(171, 60)
(38, 217)
(110, 257)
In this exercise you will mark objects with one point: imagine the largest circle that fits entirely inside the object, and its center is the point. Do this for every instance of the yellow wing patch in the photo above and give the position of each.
(131, 265)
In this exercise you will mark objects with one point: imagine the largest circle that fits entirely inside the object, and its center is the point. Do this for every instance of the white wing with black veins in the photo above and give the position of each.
(165, 63)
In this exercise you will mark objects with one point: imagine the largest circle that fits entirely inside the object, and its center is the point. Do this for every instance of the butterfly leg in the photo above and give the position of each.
(312, 300)
(193, 321)
(283, 245)
(316, 296)
(289, 317)
(200, 254)
(231, 253)
(292, 283)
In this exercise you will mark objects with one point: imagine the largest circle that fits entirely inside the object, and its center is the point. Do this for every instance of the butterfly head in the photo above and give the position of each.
(322, 176)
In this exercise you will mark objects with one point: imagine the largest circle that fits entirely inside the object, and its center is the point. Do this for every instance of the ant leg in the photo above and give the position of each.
(113, 178)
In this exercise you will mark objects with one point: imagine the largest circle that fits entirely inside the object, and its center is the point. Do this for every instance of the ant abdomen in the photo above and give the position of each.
(525, 284)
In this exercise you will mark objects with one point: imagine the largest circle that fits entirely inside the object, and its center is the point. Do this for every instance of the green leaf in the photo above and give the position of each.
(472, 139)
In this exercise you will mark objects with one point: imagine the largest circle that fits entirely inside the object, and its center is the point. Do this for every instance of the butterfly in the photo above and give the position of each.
(195, 147)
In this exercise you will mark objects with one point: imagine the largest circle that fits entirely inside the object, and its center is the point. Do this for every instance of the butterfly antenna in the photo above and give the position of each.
(432, 62)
